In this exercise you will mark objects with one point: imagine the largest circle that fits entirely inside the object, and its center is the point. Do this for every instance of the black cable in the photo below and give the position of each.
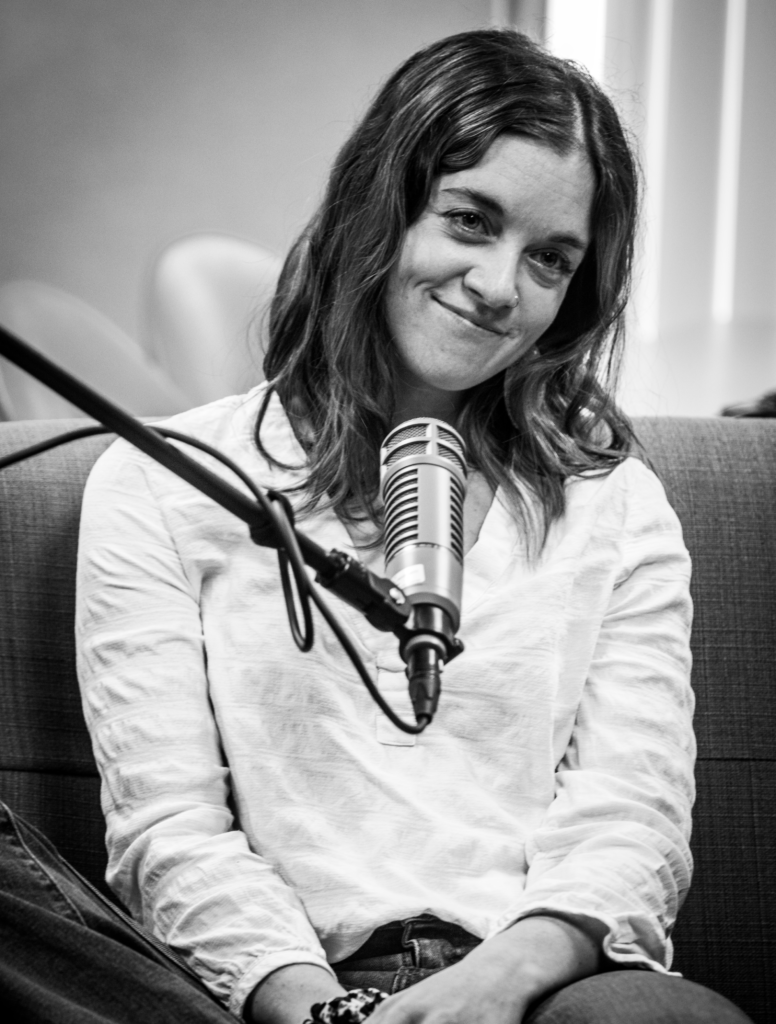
(278, 509)
(352, 653)
(282, 518)
(305, 590)
(289, 553)
(50, 442)
(260, 519)
(304, 641)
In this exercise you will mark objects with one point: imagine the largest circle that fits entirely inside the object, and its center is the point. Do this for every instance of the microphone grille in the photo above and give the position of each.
(401, 451)
(424, 436)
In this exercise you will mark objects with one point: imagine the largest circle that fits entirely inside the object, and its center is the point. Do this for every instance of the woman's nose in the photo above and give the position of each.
(492, 277)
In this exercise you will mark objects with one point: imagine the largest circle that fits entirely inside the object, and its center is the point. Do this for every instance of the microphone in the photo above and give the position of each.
(423, 486)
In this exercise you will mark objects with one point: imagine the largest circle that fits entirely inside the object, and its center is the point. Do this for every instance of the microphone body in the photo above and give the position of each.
(423, 487)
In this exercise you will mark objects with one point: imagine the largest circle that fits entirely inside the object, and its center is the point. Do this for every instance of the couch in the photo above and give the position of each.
(721, 477)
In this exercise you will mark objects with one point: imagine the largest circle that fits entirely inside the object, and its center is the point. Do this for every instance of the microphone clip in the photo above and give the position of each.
(379, 600)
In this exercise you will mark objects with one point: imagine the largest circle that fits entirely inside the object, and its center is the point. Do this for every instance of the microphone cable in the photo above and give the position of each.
(278, 510)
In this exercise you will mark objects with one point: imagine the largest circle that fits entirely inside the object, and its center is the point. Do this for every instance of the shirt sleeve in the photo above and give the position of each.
(612, 853)
(176, 859)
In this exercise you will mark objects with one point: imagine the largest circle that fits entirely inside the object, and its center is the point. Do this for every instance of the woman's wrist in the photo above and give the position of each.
(546, 952)
(286, 995)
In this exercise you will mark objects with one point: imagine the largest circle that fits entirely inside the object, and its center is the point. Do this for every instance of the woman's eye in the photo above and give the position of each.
(468, 222)
(553, 261)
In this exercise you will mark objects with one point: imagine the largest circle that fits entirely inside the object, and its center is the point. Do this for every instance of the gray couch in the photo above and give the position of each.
(721, 477)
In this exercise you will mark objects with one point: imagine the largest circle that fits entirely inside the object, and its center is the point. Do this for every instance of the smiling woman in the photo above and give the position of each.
(520, 857)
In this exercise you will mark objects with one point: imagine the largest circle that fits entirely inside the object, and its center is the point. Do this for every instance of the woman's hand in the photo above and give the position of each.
(500, 978)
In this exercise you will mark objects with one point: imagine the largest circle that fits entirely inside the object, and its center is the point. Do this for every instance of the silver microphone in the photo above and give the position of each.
(423, 487)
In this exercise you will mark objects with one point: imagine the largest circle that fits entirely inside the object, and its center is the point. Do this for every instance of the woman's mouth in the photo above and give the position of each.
(471, 317)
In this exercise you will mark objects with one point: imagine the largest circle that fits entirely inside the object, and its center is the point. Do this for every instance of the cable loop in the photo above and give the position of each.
(289, 552)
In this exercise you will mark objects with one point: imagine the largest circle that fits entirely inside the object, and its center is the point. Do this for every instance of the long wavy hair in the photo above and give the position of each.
(331, 359)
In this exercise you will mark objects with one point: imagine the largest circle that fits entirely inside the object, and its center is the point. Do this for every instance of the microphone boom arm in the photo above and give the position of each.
(378, 599)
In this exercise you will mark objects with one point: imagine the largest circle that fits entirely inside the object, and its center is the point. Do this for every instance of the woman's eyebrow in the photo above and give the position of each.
(475, 196)
(572, 241)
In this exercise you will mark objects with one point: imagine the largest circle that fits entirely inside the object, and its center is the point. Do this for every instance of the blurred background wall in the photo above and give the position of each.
(126, 125)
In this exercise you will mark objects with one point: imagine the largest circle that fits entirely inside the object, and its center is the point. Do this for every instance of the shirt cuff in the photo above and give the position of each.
(619, 943)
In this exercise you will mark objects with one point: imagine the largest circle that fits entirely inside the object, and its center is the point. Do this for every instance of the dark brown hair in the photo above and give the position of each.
(331, 359)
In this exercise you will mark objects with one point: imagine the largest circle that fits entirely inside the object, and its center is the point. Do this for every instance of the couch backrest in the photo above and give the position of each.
(721, 478)
(47, 772)
(720, 475)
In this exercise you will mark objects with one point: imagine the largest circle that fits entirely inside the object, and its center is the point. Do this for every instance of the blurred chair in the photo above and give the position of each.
(87, 344)
(206, 306)
(763, 407)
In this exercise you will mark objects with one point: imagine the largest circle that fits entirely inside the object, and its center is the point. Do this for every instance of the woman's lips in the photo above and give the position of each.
(471, 318)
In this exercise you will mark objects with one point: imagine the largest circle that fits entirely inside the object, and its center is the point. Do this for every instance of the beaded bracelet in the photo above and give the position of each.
(352, 1008)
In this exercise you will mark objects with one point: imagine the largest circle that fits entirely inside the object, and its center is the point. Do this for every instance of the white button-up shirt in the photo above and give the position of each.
(261, 811)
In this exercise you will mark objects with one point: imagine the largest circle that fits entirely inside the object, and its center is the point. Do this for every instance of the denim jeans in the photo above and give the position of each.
(68, 956)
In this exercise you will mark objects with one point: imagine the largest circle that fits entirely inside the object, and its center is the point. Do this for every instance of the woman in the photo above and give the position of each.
(470, 261)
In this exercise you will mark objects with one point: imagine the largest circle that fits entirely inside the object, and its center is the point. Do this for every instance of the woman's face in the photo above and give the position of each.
(483, 271)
